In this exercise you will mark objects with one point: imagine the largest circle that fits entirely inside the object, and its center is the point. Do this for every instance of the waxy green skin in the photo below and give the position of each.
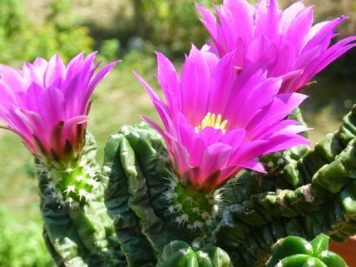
(180, 254)
(302, 196)
(308, 192)
(294, 251)
(78, 234)
(137, 197)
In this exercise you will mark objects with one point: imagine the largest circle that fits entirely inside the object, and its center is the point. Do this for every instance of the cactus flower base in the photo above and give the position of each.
(196, 209)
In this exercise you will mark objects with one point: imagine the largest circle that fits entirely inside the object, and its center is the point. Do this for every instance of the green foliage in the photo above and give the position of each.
(21, 245)
(294, 251)
(11, 17)
(169, 24)
(23, 40)
(109, 49)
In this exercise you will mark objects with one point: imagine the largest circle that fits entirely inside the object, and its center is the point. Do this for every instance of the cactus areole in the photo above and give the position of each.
(47, 104)
(73, 181)
(197, 209)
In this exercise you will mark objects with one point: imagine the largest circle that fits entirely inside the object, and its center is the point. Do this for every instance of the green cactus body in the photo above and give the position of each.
(196, 209)
(180, 254)
(296, 168)
(266, 207)
(294, 251)
(132, 194)
(73, 180)
(148, 205)
(323, 153)
(334, 176)
(77, 229)
(301, 197)
(259, 209)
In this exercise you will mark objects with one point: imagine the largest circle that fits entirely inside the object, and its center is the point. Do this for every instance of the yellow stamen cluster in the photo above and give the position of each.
(214, 121)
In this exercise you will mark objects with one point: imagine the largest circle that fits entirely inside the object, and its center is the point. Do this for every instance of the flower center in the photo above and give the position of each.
(214, 121)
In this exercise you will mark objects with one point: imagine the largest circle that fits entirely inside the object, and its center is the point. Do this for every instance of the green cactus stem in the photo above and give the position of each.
(302, 171)
(149, 207)
(261, 209)
(180, 254)
(78, 233)
(73, 181)
(294, 251)
(248, 215)
(259, 222)
(196, 209)
(329, 180)
(292, 171)
(259, 199)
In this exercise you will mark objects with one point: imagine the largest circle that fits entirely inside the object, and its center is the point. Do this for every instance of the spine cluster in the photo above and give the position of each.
(194, 209)
(301, 195)
(72, 182)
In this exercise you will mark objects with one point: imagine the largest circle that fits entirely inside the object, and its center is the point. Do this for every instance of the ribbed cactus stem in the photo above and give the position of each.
(307, 196)
(72, 181)
(192, 207)
(148, 205)
(305, 193)
(294, 251)
(77, 230)
(78, 181)
(307, 211)
(290, 171)
(180, 254)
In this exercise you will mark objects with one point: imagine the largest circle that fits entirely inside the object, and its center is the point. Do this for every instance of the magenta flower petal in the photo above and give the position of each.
(218, 120)
(290, 13)
(168, 79)
(267, 19)
(47, 103)
(253, 165)
(285, 40)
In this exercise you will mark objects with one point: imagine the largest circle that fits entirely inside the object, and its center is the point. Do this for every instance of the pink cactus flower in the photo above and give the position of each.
(47, 103)
(285, 40)
(218, 120)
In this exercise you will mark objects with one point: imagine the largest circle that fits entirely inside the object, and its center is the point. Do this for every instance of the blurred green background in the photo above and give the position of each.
(130, 30)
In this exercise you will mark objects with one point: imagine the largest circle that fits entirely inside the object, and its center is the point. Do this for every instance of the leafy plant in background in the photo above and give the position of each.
(11, 20)
(21, 244)
(22, 39)
(169, 24)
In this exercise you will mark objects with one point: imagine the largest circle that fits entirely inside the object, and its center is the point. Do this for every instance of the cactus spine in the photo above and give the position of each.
(300, 196)
(77, 230)
(307, 196)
